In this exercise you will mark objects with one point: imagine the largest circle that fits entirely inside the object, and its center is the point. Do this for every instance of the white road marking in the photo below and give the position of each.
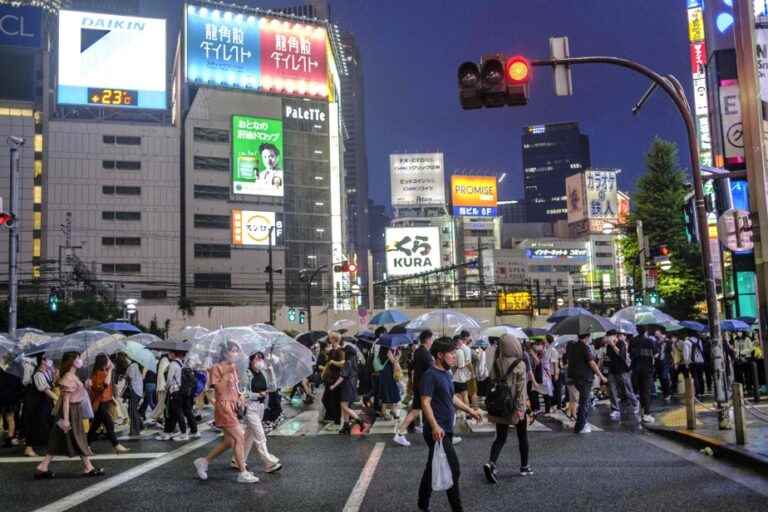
(355, 499)
(105, 456)
(750, 479)
(103, 486)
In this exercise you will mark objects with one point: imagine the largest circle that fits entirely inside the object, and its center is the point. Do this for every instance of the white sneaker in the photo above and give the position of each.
(196, 435)
(180, 438)
(401, 440)
(163, 437)
(456, 439)
(615, 415)
(246, 477)
(201, 466)
(647, 418)
(418, 429)
(586, 430)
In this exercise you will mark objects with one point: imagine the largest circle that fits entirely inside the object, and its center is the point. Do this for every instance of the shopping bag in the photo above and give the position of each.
(442, 478)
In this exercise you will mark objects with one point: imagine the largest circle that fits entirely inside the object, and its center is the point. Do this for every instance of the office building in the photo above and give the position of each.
(551, 153)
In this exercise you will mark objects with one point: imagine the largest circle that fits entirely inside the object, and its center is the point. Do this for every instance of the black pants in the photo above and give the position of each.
(136, 422)
(642, 381)
(101, 417)
(332, 403)
(502, 431)
(585, 403)
(425, 489)
(698, 370)
(180, 411)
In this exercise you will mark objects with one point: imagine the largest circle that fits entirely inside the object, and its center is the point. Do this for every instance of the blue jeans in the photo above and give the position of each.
(585, 403)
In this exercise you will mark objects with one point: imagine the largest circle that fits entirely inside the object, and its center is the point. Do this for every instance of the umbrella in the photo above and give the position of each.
(169, 346)
(139, 353)
(145, 339)
(642, 315)
(748, 319)
(289, 361)
(190, 333)
(497, 331)
(348, 341)
(693, 326)
(394, 340)
(344, 324)
(388, 316)
(565, 313)
(579, 325)
(480, 343)
(123, 327)
(533, 332)
(734, 326)
(309, 338)
(265, 327)
(445, 322)
(626, 327)
(81, 325)
(80, 342)
(607, 324)
(7, 352)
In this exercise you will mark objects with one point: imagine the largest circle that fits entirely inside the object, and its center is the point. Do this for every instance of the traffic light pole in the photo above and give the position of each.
(13, 245)
(675, 92)
(271, 282)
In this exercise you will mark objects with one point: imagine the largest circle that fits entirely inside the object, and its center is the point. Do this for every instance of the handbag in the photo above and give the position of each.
(442, 478)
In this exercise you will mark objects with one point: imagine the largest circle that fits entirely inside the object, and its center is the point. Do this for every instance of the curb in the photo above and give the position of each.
(721, 450)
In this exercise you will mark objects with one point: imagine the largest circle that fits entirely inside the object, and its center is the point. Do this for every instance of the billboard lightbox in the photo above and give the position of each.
(417, 179)
(412, 250)
(474, 196)
(251, 228)
(257, 156)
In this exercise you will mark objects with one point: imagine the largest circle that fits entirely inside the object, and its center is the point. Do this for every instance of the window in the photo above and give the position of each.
(154, 294)
(603, 255)
(212, 221)
(121, 165)
(120, 190)
(211, 192)
(213, 281)
(121, 241)
(212, 251)
(121, 268)
(211, 163)
(121, 215)
(213, 135)
(602, 243)
(604, 267)
(122, 140)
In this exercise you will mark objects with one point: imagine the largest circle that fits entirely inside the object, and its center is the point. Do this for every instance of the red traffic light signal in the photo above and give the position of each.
(497, 82)
(518, 70)
(6, 219)
(352, 268)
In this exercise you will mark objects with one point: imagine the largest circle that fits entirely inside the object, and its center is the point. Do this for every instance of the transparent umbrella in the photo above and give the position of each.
(92, 342)
(191, 332)
(497, 331)
(265, 328)
(31, 336)
(289, 361)
(144, 339)
(7, 352)
(344, 324)
(205, 351)
(139, 353)
(445, 322)
(642, 315)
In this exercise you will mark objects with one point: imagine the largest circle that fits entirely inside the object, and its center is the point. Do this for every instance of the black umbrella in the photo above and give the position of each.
(579, 325)
(81, 325)
(535, 332)
(309, 338)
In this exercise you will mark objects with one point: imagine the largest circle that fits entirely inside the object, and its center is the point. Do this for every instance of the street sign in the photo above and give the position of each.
(559, 49)
(734, 229)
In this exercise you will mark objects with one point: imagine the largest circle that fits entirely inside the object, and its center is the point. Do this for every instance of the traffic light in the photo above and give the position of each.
(7, 219)
(291, 315)
(343, 267)
(352, 268)
(469, 86)
(497, 82)
(492, 83)
(517, 76)
(660, 251)
(53, 301)
(302, 317)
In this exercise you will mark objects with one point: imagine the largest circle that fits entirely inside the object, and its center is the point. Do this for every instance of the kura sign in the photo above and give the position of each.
(412, 250)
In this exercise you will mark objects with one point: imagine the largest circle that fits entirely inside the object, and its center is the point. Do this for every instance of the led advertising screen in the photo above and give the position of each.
(257, 156)
(412, 250)
(251, 229)
(21, 26)
(474, 196)
(111, 60)
(241, 51)
(417, 179)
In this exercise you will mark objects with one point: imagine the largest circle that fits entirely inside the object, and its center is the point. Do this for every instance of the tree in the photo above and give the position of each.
(658, 202)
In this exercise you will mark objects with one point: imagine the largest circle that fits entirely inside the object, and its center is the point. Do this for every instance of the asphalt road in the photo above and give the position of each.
(613, 469)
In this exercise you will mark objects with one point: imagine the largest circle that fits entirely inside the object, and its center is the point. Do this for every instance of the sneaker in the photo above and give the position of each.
(196, 435)
(456, 439)
(274, 468)
(490, 473)
(526, 471)
(401, 440)
(246, 477)
(233, 465)
(615, 415)
(418, 429)
(201, 466)
(647, 418)
(586, 430)
(163, 437)
(15, 441)
(181, 438)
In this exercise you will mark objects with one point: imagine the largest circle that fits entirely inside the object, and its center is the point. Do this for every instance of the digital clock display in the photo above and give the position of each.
(113, 97)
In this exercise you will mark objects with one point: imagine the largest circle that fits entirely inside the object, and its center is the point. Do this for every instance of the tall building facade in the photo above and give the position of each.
(551, 153)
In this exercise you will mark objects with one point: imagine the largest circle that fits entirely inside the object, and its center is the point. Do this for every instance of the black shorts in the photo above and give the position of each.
(460, 387)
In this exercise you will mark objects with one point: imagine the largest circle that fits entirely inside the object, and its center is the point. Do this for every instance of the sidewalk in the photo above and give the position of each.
(754, 454)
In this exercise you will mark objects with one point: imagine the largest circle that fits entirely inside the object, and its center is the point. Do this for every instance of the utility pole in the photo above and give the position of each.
(13, 246)
(271, 281)
(641, 254)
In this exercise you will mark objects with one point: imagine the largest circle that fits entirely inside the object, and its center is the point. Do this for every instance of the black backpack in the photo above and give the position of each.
(501, 401)
(188, 382)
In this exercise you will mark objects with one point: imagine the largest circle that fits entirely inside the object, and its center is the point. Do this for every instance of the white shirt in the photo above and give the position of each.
(463, 359)
(685, 349)
(161, 367)
(173, 381)
(136, 379)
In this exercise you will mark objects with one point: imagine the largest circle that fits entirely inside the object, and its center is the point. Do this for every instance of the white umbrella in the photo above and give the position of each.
(445, 322)
(497, 331)
(344, 324)
(145, 339)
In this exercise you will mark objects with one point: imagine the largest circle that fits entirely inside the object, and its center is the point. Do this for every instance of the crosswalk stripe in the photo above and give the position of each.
(104, 456)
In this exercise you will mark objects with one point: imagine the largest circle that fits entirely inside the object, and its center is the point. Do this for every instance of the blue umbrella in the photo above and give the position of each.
(388, 316)
(734, 326)
(123, 327)
(693, 326)
(566, 313)
(748, 319)
(394, 340)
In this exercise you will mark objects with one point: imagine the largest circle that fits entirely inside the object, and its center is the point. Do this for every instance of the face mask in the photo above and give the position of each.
(261, 365)
(78, 363)
(48, 363)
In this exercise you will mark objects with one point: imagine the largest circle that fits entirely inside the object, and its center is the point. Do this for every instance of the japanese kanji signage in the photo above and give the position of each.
(558, 253)
(243, 51)
(257, 156)
(251, 228)
(601, 196)
(417, 179)
(412, 250)
(514, 303)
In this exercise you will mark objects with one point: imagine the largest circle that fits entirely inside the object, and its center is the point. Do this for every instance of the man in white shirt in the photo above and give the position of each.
(159, 411)
(462, 374)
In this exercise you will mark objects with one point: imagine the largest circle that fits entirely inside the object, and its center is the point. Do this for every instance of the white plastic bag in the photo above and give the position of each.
(442, 478)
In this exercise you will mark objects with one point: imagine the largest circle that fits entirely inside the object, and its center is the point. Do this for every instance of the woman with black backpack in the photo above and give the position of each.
(506, 401)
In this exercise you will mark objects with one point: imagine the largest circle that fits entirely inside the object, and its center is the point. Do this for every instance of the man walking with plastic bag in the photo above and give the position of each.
(438, 405)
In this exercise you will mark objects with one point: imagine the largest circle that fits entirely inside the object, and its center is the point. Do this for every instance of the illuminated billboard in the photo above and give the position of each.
(251, 229)
(111, 60)
(474, 196)
(417, 179)
(257, 156)
(242, 51)
(412, 250)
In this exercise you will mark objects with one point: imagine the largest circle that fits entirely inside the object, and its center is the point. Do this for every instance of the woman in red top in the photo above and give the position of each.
(229, 400)
(100, 390)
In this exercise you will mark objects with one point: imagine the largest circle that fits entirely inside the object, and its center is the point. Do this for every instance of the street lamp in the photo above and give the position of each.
(308, 275)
